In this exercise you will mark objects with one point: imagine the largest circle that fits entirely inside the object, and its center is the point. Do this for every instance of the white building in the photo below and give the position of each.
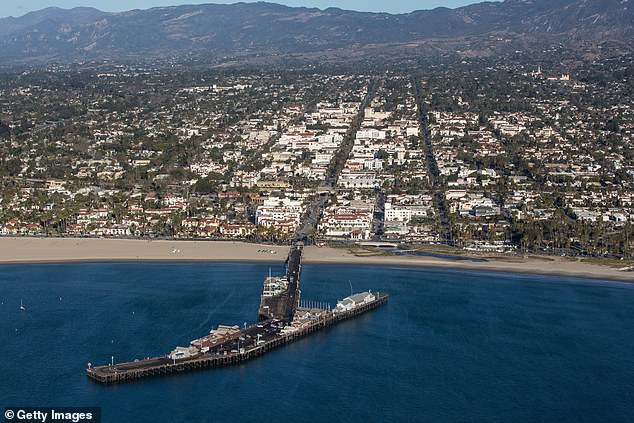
(279, 212)
(180, 353)
(371, 134)
(354, 301)
(352, 222)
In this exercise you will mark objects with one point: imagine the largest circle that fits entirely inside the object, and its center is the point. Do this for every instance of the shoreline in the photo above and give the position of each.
(23, 251)
(488, 267)
(532, 265)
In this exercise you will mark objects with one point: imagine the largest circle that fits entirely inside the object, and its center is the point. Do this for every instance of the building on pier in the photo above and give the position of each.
(354, 301)
(180, 353)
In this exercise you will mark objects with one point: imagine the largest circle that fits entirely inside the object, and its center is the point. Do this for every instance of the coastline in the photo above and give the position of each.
(535, 265)
(76, 250)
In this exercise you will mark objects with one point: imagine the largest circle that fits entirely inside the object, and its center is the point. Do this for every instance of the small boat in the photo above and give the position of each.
(22, 305)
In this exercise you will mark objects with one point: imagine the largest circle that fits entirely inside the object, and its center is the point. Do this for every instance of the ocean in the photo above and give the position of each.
(461, 346)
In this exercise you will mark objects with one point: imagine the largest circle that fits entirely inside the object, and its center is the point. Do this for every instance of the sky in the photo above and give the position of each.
(21, 7)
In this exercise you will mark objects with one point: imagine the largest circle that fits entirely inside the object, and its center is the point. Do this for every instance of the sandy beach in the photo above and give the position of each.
(54, 250)
(59, 250)
(533, 265)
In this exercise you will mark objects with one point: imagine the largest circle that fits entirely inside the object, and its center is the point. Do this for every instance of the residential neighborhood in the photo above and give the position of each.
(505, 159)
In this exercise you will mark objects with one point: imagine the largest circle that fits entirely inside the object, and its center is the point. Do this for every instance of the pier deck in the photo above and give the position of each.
(253, 342)
(283, 306)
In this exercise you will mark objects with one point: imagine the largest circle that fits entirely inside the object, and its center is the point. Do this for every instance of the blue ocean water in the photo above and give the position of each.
(450, 345)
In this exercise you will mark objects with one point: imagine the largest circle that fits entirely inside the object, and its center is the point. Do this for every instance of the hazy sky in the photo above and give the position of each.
(20, 7)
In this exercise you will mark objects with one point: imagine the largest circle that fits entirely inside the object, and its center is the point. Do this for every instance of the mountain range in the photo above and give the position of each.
(55, 34)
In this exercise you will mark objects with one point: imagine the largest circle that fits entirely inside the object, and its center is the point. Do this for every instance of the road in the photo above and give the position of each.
(438, 192)
(378, 219)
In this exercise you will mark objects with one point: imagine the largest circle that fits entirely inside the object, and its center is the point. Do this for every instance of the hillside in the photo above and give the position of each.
(55, 34)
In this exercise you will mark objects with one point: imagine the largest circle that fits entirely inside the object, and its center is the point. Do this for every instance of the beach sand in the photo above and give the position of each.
(52, 250)
(534, 265)
(59, 250)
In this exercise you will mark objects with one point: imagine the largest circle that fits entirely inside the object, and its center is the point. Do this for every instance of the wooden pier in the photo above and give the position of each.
(127, 372)
(283, 306)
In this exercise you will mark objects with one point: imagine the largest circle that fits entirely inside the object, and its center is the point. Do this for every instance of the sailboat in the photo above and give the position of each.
(22, 305)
